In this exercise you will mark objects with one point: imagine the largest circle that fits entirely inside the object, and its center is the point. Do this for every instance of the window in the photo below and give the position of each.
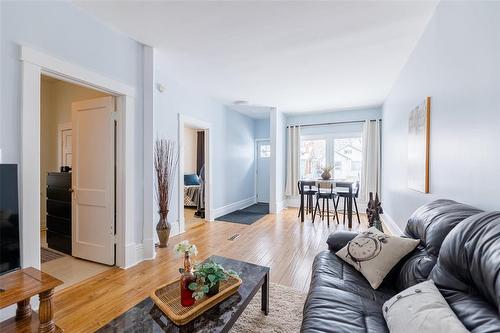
(265, 151)
(312, 157)
(341, 149)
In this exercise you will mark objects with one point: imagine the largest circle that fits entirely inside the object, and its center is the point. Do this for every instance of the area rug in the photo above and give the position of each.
(247, 215)
(285, 315)
(285, 312)
(49, 254)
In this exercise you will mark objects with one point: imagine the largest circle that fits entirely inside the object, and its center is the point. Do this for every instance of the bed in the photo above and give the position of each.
(191, 190)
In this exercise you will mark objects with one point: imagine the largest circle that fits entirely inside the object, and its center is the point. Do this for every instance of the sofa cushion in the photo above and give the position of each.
(341, 300)
(430, 223)
(467, 272)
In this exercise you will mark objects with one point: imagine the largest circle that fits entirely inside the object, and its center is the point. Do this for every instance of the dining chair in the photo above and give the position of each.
(345, 195)
(325, 193)
(309, 193)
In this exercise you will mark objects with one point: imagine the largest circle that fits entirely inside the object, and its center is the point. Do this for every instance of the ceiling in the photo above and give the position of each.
(296, 56)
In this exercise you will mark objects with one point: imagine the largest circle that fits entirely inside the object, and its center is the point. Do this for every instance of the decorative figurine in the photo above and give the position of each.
(373, 212)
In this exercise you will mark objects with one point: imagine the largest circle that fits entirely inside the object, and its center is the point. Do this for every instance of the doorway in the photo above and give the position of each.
(195, 162)
(263, 157)
(194, 177)
(77, 181)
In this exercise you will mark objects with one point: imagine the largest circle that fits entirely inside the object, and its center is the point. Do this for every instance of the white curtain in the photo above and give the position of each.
(292, 160)
(370, 174)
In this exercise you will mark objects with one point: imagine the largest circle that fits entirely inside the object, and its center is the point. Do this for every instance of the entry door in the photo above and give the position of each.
(93, 203)
(263, 158)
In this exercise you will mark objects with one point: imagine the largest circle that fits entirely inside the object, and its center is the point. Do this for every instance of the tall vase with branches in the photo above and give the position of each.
(165, 164)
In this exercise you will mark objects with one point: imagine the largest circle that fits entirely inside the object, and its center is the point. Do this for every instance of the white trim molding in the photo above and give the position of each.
(199, 124)
(391, 225)
(73, 73)
(235, 206)
(33, 64)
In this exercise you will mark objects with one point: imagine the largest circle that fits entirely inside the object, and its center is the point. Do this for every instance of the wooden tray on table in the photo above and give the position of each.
(168, 299)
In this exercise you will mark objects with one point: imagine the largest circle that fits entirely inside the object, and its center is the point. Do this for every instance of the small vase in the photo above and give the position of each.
(326, 175)
(163, 229)
(187, 278)
(214, 290)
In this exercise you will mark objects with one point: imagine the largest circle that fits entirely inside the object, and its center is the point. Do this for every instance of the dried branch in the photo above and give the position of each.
(165, 163)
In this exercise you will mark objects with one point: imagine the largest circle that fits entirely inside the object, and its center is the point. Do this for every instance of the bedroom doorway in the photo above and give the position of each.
(77, 236)
(194, 177)
(194, 173)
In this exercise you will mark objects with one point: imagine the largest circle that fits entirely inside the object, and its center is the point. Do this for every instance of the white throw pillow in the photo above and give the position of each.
(421, 308)
(374, 253)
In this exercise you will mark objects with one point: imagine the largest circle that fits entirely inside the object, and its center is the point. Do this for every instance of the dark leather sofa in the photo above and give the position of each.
(459, 250)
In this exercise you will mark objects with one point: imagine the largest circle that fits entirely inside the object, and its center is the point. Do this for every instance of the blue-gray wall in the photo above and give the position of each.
(262, 129)
(65, 32)
(233, 136)
(457, 63)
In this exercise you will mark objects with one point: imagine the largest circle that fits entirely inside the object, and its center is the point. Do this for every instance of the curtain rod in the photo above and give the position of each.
(336, 123)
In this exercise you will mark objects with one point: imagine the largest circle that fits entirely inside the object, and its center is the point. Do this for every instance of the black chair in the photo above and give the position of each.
(353, 192)
(326, 195)
(309, 193)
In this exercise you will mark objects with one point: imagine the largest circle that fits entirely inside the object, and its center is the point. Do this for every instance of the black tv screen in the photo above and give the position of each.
(10, 258)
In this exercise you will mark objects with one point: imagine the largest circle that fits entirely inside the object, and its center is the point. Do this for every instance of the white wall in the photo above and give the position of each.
(278, 161)
(190, 149)
(456, 63)
(233, 172)
(65, 32)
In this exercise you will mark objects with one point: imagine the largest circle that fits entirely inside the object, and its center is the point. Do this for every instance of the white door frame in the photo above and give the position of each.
(60, 129)
(207, 127)
(256, 159)
(34, 64)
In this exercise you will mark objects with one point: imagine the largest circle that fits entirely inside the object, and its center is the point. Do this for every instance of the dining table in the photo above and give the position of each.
(340, 187)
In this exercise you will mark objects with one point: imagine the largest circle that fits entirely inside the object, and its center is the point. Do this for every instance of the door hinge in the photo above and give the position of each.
(115, 238)
(114, 115)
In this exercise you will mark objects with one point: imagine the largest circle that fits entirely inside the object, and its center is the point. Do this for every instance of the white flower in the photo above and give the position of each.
(185, 246)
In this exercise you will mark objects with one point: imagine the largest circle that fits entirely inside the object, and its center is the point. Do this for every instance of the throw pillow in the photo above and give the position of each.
(421, 308)
(374, 253)
(191, 180)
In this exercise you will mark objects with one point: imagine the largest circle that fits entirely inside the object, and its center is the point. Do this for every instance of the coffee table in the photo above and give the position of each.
(147, 317)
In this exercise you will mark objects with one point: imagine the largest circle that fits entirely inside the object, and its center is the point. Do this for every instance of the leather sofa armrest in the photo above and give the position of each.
(339, 239)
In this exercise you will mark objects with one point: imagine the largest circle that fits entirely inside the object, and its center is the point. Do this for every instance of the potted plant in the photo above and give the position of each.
(187, 275)
(327, 172)
(165, 164)
(209, 275)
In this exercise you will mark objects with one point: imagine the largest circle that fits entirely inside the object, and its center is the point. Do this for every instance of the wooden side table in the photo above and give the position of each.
(19, 286)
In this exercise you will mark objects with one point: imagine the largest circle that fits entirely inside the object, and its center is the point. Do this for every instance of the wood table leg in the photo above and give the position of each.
(23, 309)
(349, 213)
(265, 295)
(46, 312)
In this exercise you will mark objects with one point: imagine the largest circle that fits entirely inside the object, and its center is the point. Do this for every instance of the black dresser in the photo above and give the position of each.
(59, 211)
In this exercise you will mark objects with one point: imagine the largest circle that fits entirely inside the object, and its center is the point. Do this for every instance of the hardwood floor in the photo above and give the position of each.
(279, 241)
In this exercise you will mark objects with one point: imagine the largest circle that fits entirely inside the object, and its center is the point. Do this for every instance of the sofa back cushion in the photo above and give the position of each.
(467, 272)
(430, 223)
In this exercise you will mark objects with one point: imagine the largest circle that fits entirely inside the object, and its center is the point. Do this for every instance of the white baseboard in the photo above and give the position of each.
(391, 225)
(280, 205)
(234, 206)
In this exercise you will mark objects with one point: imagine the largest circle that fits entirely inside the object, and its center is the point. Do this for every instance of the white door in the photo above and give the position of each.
(263, 158)
(93, 208)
